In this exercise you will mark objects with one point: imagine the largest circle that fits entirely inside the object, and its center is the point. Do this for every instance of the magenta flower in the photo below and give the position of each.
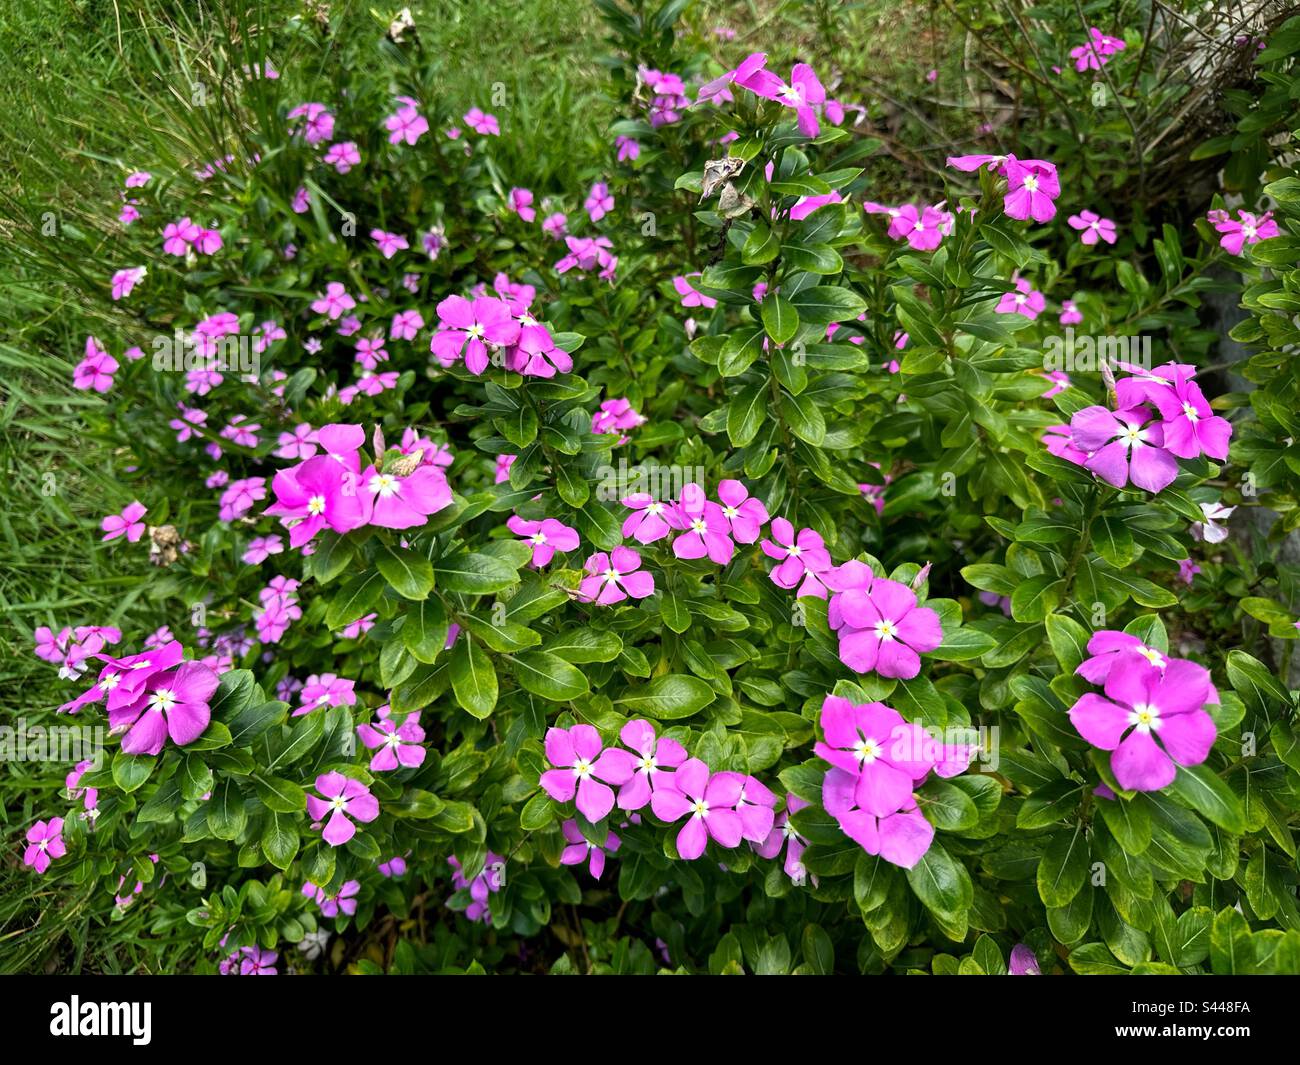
(173, 703)
(260, 548)
(880, 625)
(704, 529)
(1123, 446)
(901, 837)
(1245, 230)
(599, 201)
(395, 746)
(646, 523)
(650, 766)
(627, 149)
(335, 303)
(471, 326)
(521, 202)
(503, 464)
(1096, 52)
(96, 369)
(581, 849)
(707, 801)
(299, 444)
(316, 494)
(325, 689)
(342, 156)
(691, 297)
(406, 125)
(1032, 186)
(489, 881)
(583, 768)
(482, 123)
(545, 537)
(1024, 301)
(396, 502)
(1189, 425)
(389, 244)
(126, 524)
(1023, 962)
(1144, 703)
(755, 806)
(923, 230)
(1060, 382)
(343, 800)
(1187, 570)
(238, 499)
(535, 354)
(179, 235)
(612, 578)
(44, 844)
(803, 92)
(783, 833)
(405, 325)
(1106, 646)
(802, 557)
(125, 280)
(1094, 227)
(394, 867)
(318, 123)
(554, 225)
(885, 753)
(745, 514)
(1070, 313)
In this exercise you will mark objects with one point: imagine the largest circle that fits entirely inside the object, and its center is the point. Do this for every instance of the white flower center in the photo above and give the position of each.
(316, 505)
(1031, 183)
(886, 630)
(730, 511)
(700, 808)
(1190, 411)
(582, 768)
(1145, 718)
(110, 682)
(385, 485)
(648, 762)
(867, 751)
(1153, 656)
(795, 550)
(538, 538)
(162, 700)
(699, 526)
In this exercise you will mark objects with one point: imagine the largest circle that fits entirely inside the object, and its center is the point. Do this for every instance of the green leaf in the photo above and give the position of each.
(474, 573)
(667, 698)
(780, 319)
(1069, 641)
(424, 632)
(746, 413)
(130, 771)
(548, 676)
(280, 795)
(226, 814)
(942, 885)
(355, 599)
(1036, 597)
(279, 840)
(410, 575)
(1064, 867)
(473, 679)
(1202, 789)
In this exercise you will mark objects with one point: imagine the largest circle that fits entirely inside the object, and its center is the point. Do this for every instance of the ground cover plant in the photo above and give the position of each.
(720, 504)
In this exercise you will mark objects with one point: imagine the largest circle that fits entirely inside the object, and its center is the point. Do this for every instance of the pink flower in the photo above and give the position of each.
(1024, 301)
(1032, 186)
(545, 537)
(335, 303)
(137, 179)
(646, 523)
(1123, 446)
(535, 353)
(396, 746)
(405, 325)
(599, 201)
(901, 837)
(521, 202)
(406, 125)
(649, 767)
(482, 123)
(627, 148)
(316, 494)
(471, 326)
(887, 755)
(1105, 648)
(1248, 229)
(173, 703)
(1094, 227)
(260, 548)
(691, 297)
(1187, 570)
(802, 557)
(745, 514)
(503, 464)
(179, 235)
(44, 844)
(581, 849)
(125, 280)
(1144, 703)
(96, 369)
(704, 528)
(127, 523)
(1096, 52)
(880, 625)
(1210, 530)
(318, 123)
(238, 499)
(783, 833)
(553, 225)
(354, 630)
(1070, 313)
(342, 156)
(615, 576)
(585, 768)
(343, 800)
(301, 201)
(404, 502)
(299, 444)
(389, 244)
(1023, 962)
(706, 801)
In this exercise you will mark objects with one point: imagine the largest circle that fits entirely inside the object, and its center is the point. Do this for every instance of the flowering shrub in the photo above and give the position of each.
(684, 533)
